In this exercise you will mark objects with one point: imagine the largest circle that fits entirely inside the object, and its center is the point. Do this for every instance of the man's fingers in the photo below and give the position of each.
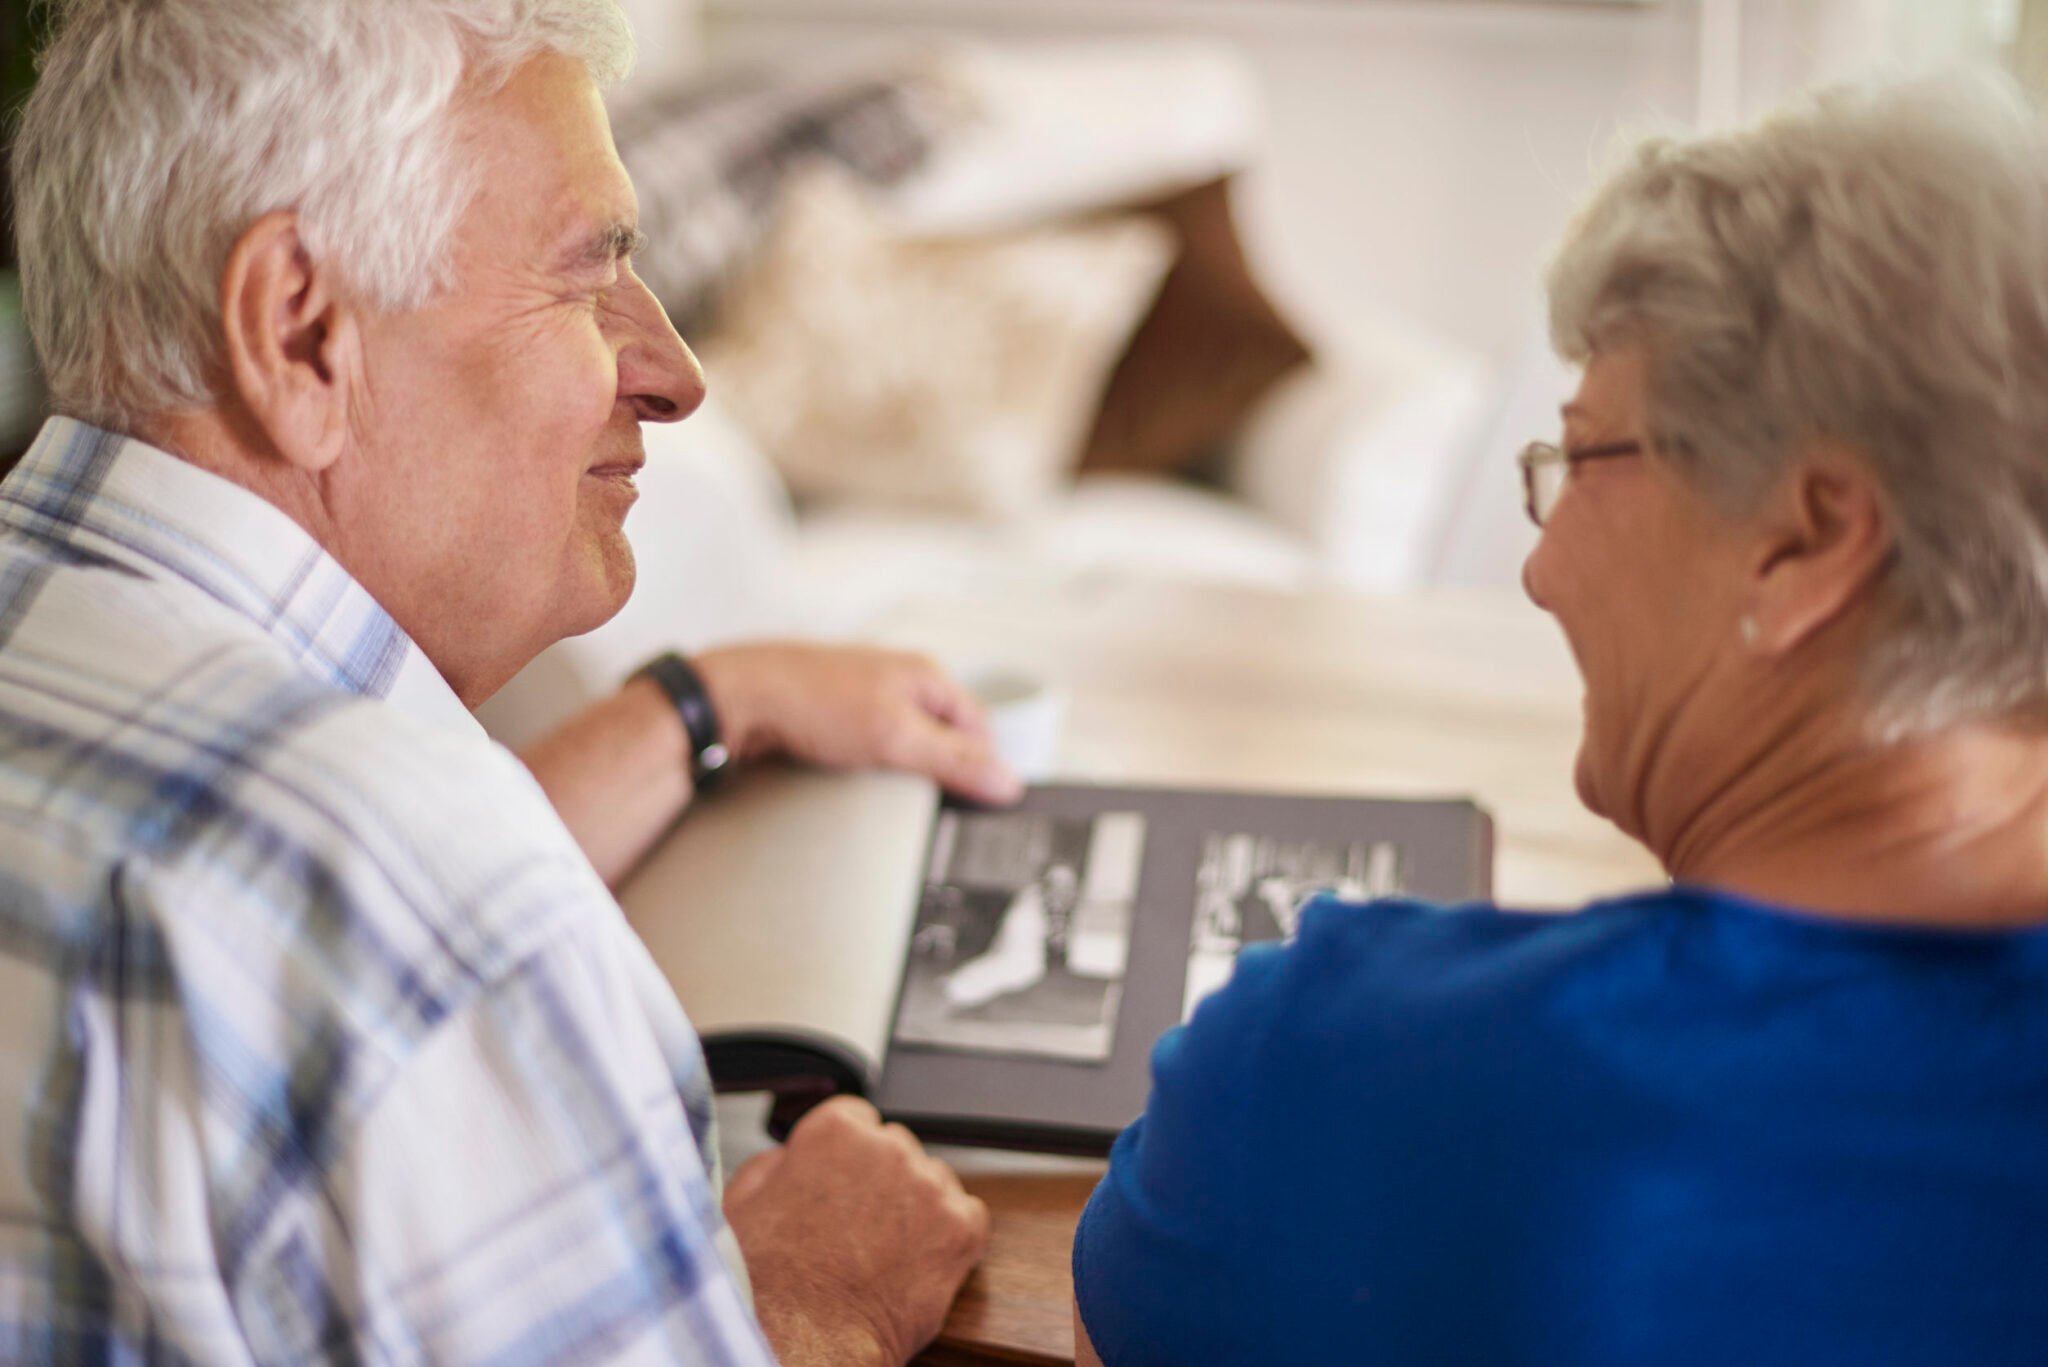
(754, 1174)
(975, 1216)
(839, 1112)
(962, 762)
(854, 1234)
(946, 698)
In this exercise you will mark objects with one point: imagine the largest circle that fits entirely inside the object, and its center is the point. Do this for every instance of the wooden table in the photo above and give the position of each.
(1447, 695)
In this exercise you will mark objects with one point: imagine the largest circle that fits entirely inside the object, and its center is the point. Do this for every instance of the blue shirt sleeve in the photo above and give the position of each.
(1306, 1151)
(1156, 1241)
(1189, 1250)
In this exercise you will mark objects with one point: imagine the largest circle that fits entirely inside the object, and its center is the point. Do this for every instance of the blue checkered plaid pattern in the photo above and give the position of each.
(319, 1038)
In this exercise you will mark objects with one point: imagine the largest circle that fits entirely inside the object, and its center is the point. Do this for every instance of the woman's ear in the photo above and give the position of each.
(1825, 537)
(292, 342)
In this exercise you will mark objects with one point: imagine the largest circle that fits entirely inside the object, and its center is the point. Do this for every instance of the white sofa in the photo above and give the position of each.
(1344, 476)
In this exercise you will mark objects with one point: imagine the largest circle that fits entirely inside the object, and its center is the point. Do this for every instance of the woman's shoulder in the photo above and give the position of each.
(1430, 999)
(1370, 958)
(1425, 1001)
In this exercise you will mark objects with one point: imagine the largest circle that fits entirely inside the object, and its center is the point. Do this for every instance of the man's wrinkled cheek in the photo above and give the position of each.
(597, 385)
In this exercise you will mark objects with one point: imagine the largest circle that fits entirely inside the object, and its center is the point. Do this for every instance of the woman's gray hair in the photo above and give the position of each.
(1869, 267)
(159, 131)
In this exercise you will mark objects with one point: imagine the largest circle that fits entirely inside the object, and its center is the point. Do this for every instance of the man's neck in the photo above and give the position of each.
(237, 451)
(227, 444)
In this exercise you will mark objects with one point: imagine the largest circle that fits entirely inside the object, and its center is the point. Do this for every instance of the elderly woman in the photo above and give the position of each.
(1794, 1107)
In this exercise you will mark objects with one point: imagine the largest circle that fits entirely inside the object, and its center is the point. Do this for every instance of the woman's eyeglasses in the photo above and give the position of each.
(1544, 468)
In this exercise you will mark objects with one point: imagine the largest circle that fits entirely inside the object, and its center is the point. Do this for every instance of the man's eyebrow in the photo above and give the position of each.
(615, 241)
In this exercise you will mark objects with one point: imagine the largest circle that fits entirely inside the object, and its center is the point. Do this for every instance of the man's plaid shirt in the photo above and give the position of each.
(319, 1038)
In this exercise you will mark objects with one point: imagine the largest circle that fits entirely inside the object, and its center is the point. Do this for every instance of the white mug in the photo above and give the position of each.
(1024, 715)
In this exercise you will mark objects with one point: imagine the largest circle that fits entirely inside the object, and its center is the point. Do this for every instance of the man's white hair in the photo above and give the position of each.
(161, 129)
(1870, 267)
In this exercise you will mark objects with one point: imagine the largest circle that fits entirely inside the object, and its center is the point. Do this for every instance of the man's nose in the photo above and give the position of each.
(658, 374)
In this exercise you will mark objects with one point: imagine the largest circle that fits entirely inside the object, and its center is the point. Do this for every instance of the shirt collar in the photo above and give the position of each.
(115, 499)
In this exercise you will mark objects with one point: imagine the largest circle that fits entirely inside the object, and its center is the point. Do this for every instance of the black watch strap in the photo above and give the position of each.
(686, 692)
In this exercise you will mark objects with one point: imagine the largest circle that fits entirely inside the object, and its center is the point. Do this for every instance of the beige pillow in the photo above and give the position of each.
(958, 376)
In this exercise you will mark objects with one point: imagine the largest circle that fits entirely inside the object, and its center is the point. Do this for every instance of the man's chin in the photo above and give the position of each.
(606, 594)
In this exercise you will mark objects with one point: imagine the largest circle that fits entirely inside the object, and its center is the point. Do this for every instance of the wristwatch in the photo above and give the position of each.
(676, 677)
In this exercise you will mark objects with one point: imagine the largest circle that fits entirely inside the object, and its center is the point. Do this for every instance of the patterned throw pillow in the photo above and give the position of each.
(957, 376)
(710, 157)
(1212, 348)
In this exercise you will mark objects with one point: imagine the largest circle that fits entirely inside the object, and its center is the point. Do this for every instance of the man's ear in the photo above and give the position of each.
(291, 340)
(1825, 536)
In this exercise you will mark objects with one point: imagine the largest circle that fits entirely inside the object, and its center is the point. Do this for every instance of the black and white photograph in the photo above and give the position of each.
(1023, 934)
(1252, 887)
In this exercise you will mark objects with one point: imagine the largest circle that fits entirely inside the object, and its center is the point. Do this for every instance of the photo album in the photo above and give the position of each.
(998, 977)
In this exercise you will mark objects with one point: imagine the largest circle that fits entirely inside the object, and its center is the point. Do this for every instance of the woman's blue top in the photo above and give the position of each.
(1679, 1129)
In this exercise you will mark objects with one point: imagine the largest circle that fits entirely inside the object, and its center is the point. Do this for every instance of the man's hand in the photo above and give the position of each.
(856, 1240)
(855, 707)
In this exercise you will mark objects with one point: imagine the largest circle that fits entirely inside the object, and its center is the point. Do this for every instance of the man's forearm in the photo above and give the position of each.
(618, 773)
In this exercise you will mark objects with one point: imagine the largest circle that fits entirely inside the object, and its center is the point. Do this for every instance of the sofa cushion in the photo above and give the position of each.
(712, 155)
(1363, 455)
(955, 377)
(1212, 346)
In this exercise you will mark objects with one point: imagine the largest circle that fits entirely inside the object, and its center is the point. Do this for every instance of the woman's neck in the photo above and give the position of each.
(1947, 831)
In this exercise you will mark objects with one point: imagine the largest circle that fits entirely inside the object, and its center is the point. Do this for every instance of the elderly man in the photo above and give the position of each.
(320, 1035)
